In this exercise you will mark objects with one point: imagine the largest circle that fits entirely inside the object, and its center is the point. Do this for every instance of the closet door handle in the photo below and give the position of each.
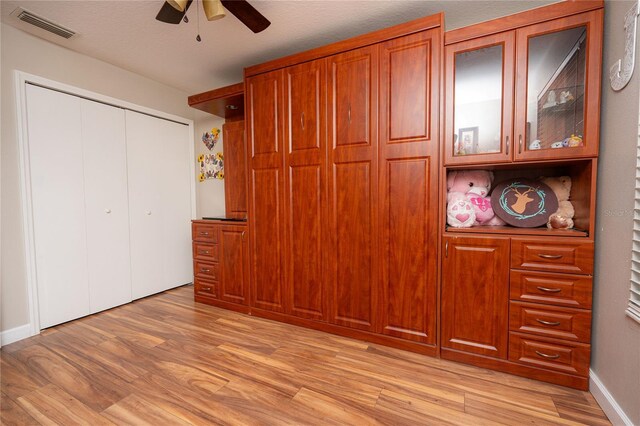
(550, 256)
(349, 114)
(549, 290)
(507, 145)
(543, 355)
(446, 249)
(543, 322)
(302, 120)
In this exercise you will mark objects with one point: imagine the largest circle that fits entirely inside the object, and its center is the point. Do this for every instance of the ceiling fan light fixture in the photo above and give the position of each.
(179, 5)
(213, 9)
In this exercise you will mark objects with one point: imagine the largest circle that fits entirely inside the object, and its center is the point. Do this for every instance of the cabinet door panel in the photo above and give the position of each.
(105, 154)
(235, 170)
(267, 249)
(266, 188)
(234, 286)
(351, 80)
(558, 87)
(305, 163)
(479, 100)
(57, 196)
(353, 188)
(409, 87)
(475, 295)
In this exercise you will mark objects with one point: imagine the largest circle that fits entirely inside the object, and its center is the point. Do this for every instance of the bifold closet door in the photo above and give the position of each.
(159, 203)
(77, 159)
(57, 196)
(107, 210)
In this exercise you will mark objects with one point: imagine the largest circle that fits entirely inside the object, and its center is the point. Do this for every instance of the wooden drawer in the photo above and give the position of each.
(204, 232)
(552, 289)
(205, 288)
(570, 358)
(550, 321)
(206, 252)
(552, 255)
(206, 270)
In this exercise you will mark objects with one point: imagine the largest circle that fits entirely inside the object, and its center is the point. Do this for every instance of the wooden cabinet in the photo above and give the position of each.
(475, 295)
(221, 263)
(353, 188)
(235, 176)
(408, 199)
(495, 117)
(264, 106)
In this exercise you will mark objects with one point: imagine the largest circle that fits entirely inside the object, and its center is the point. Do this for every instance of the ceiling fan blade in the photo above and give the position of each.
(170, 15)
(247, 14)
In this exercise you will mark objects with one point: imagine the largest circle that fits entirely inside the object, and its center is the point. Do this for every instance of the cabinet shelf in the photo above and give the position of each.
(510, 230)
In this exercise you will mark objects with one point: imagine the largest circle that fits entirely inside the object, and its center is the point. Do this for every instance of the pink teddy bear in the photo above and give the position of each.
(468, 203)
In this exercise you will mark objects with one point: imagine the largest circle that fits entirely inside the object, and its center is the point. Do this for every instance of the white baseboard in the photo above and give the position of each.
(15, 334)
(608, 404)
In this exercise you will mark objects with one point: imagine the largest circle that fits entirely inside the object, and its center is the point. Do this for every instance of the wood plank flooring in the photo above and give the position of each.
(168, 360)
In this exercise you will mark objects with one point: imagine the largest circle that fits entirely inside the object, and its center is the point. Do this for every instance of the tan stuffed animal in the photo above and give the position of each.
(563, 217)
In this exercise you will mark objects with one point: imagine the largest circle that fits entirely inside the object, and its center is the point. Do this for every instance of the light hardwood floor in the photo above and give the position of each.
(168, 360)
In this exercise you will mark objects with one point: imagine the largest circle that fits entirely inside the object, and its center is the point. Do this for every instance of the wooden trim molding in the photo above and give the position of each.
(421, 24)
(528, 17)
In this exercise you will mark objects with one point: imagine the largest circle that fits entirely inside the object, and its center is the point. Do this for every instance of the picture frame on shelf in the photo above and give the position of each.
(468, 140)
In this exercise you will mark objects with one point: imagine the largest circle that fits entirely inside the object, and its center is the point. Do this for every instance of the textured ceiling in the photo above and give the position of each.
(126, 34)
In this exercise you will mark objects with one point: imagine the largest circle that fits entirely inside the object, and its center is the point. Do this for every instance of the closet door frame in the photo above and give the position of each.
(21, 80)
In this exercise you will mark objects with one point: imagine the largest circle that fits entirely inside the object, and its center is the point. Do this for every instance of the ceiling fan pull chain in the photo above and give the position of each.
(198, 38)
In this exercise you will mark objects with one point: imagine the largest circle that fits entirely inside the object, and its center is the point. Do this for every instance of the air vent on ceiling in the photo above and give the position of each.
(45, 24)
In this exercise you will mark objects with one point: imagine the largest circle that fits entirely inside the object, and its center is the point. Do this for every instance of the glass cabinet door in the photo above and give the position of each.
(556, 107)
(479, 99)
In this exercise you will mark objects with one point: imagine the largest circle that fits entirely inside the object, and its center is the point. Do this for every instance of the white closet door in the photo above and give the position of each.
(176, 197)
(57, 193)
(105, 174)
(159, 203)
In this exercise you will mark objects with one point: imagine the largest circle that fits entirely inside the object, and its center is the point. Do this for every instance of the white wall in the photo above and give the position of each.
(210, 193)
(616, 338)
(20, 51)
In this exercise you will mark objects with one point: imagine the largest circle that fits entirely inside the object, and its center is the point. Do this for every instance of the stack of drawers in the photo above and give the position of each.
(206, 258)
(550, 304)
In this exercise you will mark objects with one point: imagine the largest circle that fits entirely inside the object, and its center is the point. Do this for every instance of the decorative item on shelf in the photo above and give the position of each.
(562, 218)
(551, 100)
(574, 141)
(468, 202)
(210, 139)
(211, 166)
(535, 145)
(468, 141)
(558, 144)
(523, 203)
(566, 96)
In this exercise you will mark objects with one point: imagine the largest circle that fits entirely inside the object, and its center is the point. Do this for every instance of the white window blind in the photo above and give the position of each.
(634, 299)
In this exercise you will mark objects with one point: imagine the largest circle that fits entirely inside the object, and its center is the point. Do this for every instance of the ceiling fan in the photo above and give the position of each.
(173, 12)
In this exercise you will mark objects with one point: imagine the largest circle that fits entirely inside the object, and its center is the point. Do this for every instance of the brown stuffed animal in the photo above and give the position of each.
(563, 217)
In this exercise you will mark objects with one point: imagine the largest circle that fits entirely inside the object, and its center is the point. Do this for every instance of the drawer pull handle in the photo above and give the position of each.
(549, 290)
(550, 256)
(553, 323)
(204, 233)
(206, 288)
(204, 252)
(556, 356)
(205, 270)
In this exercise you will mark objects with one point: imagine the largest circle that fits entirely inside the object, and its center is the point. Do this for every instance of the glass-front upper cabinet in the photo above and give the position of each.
(479, 100)
(555, 111)
(558, 89)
